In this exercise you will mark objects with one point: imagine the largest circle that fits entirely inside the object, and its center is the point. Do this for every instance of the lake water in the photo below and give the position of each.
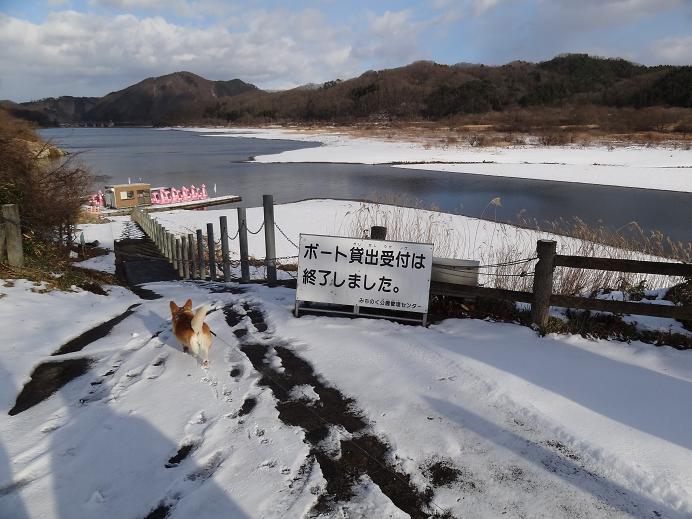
(177, 157)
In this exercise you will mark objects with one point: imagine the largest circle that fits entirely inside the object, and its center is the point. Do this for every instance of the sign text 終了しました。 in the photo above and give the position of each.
(352, 271)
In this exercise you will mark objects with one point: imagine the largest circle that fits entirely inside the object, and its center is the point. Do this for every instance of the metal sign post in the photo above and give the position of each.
(355, 276)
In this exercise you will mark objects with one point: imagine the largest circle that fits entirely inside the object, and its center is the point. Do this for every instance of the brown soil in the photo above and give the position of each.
(46, 379)
(94, 334)
(361, 453)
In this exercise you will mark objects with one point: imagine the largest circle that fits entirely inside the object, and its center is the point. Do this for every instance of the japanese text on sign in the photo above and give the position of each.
(373, 273)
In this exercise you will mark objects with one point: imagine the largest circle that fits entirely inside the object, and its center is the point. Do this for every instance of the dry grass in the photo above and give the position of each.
(404, 224)
(583, 125)
(499, 246)
(48, 265)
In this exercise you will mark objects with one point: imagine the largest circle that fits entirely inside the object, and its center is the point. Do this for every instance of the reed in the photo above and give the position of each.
(501, 245)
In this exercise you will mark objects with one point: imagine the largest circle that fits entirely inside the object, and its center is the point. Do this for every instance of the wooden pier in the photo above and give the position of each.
(190, 204)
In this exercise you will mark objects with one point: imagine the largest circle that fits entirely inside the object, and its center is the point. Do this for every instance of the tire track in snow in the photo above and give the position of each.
(358, 454)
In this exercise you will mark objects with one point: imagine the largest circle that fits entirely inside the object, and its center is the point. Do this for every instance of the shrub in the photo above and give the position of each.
(49, 192)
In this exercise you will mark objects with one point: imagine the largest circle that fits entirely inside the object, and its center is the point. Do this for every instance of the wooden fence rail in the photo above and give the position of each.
(193, 256)
(188, 256)
(542, 297)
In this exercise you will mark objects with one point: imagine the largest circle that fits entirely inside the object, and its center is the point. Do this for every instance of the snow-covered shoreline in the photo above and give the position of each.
(661, 168)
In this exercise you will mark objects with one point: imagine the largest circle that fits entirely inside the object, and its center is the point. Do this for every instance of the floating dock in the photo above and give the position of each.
(190, 204)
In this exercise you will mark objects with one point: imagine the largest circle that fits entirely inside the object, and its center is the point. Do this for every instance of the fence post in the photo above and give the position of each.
(200, 253)
(211, 246)
(191, 255)
(186, 264)
(242, 238)
(174, 253)
(269, 243)
(543, 282)
(378, 232)
(167, 245)
(13, 235)
(179, 257)
(3, 248)
(225, 258)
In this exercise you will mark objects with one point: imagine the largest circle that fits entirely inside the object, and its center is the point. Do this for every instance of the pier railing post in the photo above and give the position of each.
(191, 255)
(543, 282)
(200, 254)
(269, 242)
(186, 263)
(174, 253)
(179, 257)
(225, 257)
(166, 241)
(242, 238)
(211, 246)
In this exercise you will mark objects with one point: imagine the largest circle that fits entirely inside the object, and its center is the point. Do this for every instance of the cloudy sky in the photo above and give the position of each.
(92, 47)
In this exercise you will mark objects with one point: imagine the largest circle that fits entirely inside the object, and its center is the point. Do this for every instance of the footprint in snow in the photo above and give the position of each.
(156, 368)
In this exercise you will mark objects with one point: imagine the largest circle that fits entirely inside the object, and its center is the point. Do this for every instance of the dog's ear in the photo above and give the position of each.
(188, 304)
(174, 308)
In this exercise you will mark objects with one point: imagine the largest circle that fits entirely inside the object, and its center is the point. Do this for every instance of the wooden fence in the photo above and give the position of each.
(194, 255)
(542, 297)
(11, 251)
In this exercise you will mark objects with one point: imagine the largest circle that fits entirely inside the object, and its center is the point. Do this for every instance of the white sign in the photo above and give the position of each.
(372, 273)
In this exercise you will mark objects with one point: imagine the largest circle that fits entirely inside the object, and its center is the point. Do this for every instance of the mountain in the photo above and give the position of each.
(170, 99)
(421, 90)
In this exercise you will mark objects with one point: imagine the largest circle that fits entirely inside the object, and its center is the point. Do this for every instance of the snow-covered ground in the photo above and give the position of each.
(559, 426)
(537, 427)
(644, 167)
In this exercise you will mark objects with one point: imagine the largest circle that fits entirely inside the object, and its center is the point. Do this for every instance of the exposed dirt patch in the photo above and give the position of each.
(442, 473)
(562, 448)
(144, 293)
(247, 407)
(225, 288)
(361, 453)
(182, 453)
(233, 317)
(257, 317)
(46, 379)
(160, 512)
(94, 334)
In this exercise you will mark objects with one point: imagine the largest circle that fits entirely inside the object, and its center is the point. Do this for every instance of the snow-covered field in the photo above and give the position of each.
(559, 426)
(662, 167)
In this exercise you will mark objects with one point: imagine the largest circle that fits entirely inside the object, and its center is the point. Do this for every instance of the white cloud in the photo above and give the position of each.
(394, 37)
(451, 11)
(273, 49)
(599, 13)
(673, 51)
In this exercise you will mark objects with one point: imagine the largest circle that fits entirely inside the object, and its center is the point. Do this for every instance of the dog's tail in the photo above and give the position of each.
(198, 319)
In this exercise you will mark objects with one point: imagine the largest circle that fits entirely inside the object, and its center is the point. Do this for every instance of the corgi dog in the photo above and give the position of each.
(191, 330)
